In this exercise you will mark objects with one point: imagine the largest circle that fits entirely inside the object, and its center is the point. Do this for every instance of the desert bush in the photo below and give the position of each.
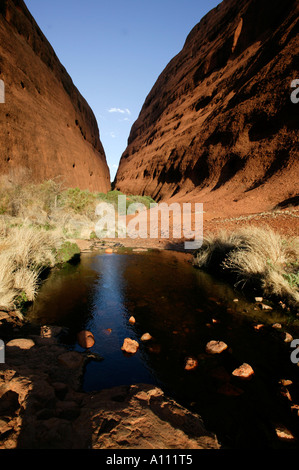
(253, 257)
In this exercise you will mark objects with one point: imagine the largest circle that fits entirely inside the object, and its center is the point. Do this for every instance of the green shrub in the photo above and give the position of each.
(67, 252)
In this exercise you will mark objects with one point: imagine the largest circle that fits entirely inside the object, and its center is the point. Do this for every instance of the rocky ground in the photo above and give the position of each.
(41, 406)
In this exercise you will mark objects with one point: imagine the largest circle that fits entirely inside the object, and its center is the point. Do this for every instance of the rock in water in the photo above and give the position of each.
(244, 372)
(216, 347)
(85, 339)
(46, 125)
(146, 337)
(191, 363)
(220, 110)
(130, 346)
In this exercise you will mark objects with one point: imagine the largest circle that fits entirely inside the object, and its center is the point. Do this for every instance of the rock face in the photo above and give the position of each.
(47, 128)
(219, 126)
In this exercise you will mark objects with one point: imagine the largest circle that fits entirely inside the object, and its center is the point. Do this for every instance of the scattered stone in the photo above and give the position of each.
(108, 331)
(132, 320)
(265, 307)
(283, 433)
(286, 394)
(146, 337)
(215, 321)
(130, 346)
(50, 331)
(285, 382)
(244, 372)
(108, 251)
(85, 339)
(21, 343)
(288, 338)
(216, 347)
(191, 363)
(259, 326)
(277, 326)
(236, 300)
(258, 299)
(295, 408)
(71, 360)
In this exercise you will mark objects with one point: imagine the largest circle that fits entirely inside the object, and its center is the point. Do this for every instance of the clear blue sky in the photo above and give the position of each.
(114, 50)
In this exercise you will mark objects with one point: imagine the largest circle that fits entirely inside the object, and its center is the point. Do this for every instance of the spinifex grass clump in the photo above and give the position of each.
(24, 253)
(254, 258)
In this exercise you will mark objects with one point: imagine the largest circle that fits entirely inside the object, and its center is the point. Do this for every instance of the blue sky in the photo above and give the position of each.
(114, 50)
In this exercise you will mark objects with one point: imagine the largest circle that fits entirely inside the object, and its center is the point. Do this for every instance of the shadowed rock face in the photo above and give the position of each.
(46, 125)
(219, 125)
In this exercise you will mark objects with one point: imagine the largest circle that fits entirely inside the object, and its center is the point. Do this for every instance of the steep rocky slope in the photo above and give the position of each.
(47, 128)
(219, 126)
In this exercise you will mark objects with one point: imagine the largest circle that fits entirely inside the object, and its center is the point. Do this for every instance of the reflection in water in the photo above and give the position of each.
(183, 309)
(109, 324)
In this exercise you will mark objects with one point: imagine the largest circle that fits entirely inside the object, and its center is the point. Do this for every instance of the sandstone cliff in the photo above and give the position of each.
(47, 128)
(219, 126)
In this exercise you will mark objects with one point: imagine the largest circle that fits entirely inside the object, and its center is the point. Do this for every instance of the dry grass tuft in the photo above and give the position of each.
(254, 257)
(24, 253)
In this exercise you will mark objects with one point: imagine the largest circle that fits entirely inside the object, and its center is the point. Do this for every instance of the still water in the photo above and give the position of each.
(183, 309)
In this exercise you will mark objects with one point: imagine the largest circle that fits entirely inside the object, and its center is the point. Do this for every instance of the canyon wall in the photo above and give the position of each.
(219, 125)
(47, 128)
